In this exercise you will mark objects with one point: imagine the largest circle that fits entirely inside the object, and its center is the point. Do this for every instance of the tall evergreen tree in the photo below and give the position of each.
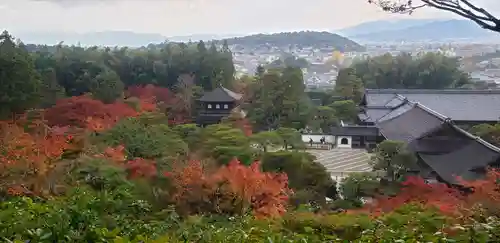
(19, 82)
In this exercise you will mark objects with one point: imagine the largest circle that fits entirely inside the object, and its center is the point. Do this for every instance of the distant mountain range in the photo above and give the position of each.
(347, 39)
(133, 39)
(107, 38)
(417, 30)
(382, 25)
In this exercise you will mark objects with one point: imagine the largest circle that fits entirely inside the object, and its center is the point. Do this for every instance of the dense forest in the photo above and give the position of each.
(44, 73)
(300, 39)
(97, 145)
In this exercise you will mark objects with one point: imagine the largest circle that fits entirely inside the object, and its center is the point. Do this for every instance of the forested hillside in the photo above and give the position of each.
(303, 38)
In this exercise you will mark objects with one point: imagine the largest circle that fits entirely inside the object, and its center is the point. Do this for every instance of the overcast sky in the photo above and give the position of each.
(186, 17)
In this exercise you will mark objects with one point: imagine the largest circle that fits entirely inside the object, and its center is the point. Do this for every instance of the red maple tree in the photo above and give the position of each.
(232, 189)
(149, 91)
(415, 190)
(173, 103)
(85, 112)
(27, 159)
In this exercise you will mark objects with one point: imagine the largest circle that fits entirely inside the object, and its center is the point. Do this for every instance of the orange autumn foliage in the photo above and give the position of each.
(231, 189)
(116, 154)
(147, 105)
(27, 159)
(415, 190)
(141, 168)
(177, 110)
(485, 189)
(85, 112)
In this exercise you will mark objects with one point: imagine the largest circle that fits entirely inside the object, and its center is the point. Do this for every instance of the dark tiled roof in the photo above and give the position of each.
(457, 104)
(395, 102)
(413, 116)
(396, 112)
(412, 124)
(373, 114)
(354, 131)
(438, 145)
(221, 94)
(461, 161)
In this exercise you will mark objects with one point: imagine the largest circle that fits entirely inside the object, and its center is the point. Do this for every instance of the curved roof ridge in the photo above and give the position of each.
(392, 118)
(477, 138)
(432, 91)
(231, 93)
(432, 112)
(396, 96)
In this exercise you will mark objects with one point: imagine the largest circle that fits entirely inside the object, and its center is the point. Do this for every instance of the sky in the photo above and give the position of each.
(187, 17)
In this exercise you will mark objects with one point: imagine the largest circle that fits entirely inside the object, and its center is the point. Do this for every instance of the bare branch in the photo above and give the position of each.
(464, 8)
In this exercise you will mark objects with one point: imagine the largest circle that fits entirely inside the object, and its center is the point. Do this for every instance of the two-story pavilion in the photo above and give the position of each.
(217, 104)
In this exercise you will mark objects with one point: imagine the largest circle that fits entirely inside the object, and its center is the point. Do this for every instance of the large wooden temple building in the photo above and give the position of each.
(217, 104)
(434, 124)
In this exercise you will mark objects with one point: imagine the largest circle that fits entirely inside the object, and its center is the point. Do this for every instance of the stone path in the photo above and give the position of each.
(342, 161)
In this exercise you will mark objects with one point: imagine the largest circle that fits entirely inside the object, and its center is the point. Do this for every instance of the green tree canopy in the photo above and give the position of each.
(145, 140)
(291, 137)
(309, 179)
(349, 85)
(223, 143)
(107, 86)
(278, 99)
(404, 71)
(20, 84)
(267, 139)
(394, 158)
(345, 110)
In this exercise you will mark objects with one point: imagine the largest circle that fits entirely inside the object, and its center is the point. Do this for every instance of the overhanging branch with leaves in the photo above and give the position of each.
(464, 8)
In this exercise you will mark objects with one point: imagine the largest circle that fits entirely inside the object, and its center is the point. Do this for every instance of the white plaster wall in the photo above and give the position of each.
(316, 138)
(349, 142)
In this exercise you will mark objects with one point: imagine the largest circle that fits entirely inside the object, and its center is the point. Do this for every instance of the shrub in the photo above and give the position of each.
(81, 216)
(309, 179)
(358, 185)
(328, 227)
(101, 173)
(144, 141)
(223, 143)
(190, 133)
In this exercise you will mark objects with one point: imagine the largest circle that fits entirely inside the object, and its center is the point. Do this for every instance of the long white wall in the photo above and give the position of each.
(329, 138)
